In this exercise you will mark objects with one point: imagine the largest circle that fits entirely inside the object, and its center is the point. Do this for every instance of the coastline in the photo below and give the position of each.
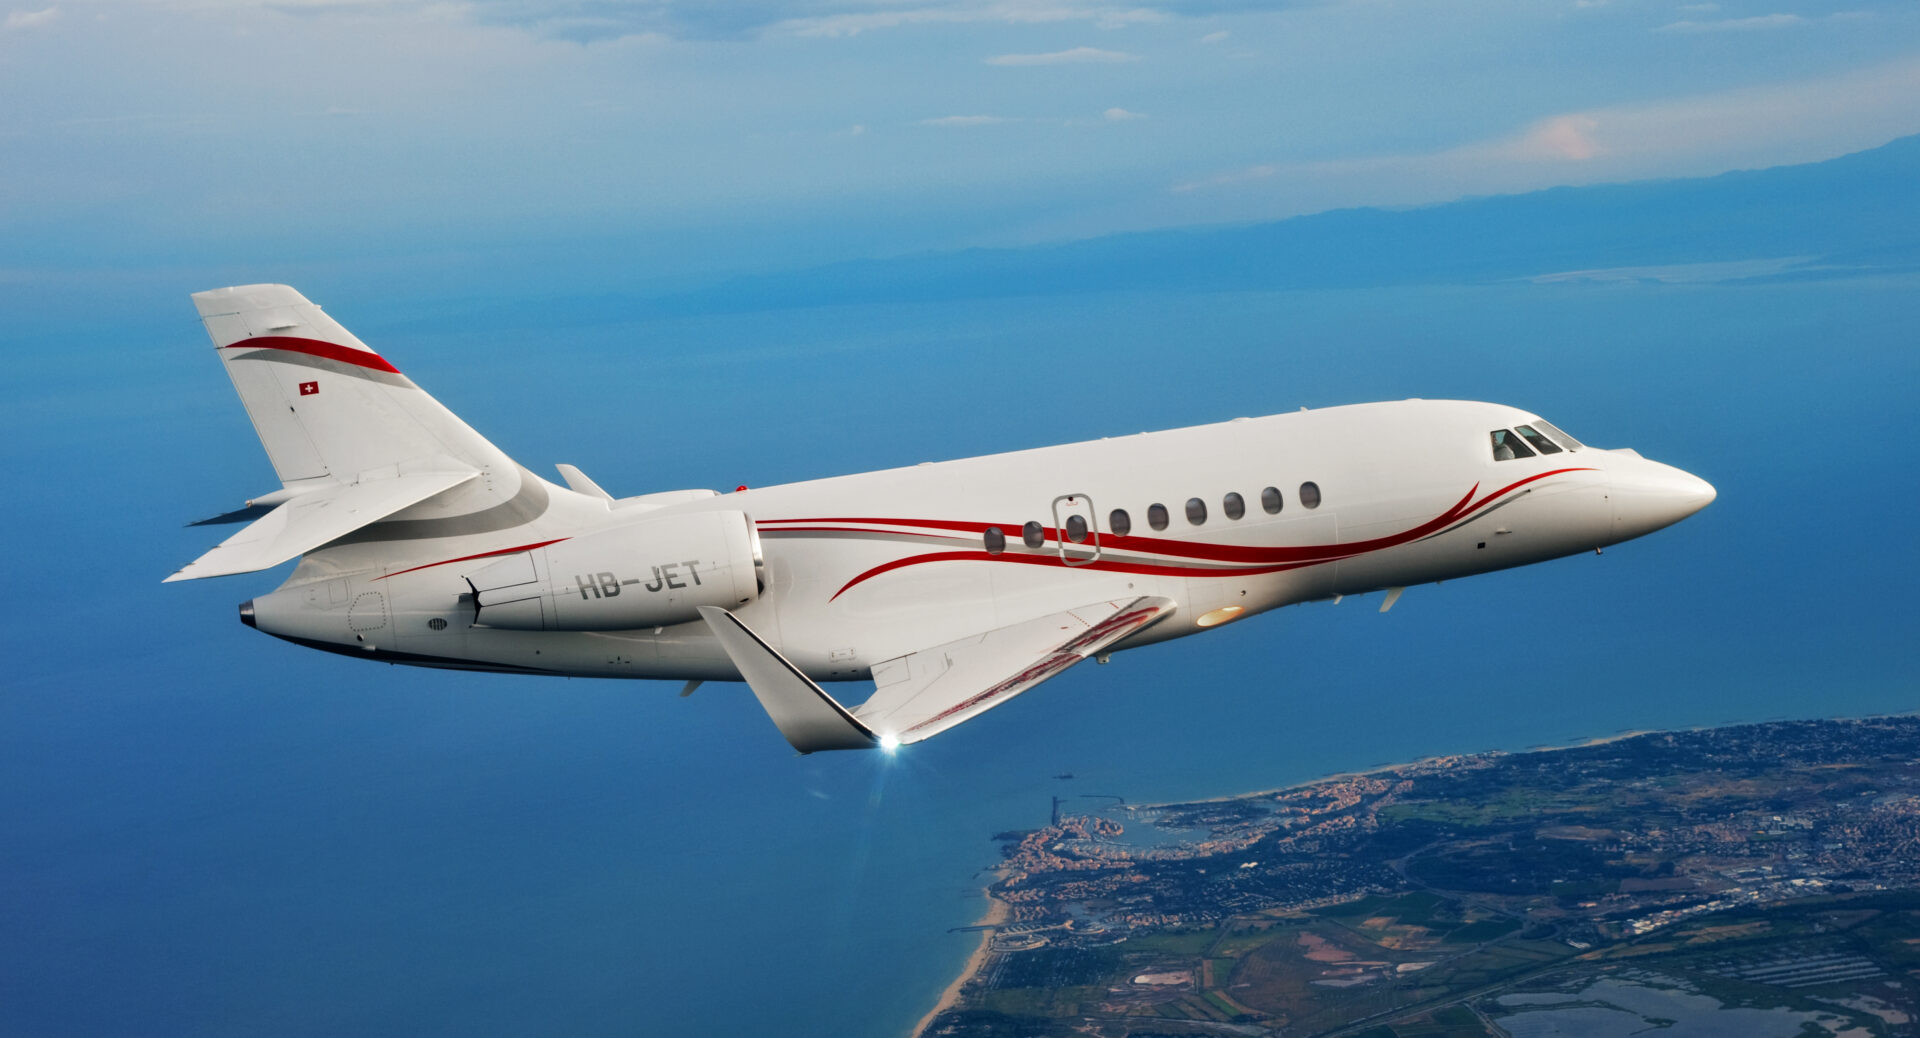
(997, 913)
(1380, 769)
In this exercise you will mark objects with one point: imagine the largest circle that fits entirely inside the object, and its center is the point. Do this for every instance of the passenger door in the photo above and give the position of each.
(1079, 540)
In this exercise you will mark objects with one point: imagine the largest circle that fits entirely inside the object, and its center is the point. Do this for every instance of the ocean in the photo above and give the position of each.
(204, 831)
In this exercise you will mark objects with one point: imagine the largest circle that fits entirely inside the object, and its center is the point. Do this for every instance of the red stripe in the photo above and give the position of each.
(1263, 560)
(482, 555)
(1102, 565)
(316, 348)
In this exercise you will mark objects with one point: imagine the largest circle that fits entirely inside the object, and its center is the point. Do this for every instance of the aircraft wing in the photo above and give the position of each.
(315, 517)
(925, 693)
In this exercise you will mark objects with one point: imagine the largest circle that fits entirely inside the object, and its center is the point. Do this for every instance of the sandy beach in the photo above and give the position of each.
(997, 912)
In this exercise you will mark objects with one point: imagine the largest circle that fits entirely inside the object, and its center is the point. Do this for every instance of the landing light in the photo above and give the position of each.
(889, 742)
(1216, 617)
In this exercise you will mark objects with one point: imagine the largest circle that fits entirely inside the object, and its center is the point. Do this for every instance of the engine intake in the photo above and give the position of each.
(650, 573)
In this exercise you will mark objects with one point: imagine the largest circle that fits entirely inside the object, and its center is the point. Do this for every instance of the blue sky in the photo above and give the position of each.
(757, 135)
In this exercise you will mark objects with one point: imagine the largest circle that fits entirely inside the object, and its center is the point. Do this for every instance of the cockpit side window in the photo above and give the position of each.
(1538, 441)
(1558, 437)
(1507, 446)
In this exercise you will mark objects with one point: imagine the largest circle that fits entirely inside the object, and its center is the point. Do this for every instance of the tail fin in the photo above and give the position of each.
(326, 406)
(353, 440)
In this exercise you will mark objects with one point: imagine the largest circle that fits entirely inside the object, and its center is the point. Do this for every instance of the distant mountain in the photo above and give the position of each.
(1846, 215)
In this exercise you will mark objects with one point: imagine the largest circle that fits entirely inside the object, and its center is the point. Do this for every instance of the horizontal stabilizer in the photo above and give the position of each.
(927, 692)
(805, 714)
(238, 515)
(311, 519)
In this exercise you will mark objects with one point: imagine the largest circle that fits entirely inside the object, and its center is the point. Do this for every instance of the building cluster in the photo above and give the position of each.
(1740, 825)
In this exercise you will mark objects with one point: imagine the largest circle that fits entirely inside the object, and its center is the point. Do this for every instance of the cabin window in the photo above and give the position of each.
(1310, 495)
(1270, 500)
(1033, 535)
(1537, 441)
(1076, 528)
(1507, 446)
(1233, 505)
(1196, 511)
(1120, 522)
(996, 539)
(1157, 516)
(1558, 437)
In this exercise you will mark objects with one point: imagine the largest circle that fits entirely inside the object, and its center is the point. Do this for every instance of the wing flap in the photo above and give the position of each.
(927, 692)
(315, 517)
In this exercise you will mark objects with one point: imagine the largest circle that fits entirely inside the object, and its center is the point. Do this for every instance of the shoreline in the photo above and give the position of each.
(1598, 740)
(997, 913)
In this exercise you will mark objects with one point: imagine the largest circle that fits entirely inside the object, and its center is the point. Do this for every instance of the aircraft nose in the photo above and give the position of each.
(1648, 496)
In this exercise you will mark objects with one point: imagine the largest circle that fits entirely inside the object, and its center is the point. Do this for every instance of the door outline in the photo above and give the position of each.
(1076, 553)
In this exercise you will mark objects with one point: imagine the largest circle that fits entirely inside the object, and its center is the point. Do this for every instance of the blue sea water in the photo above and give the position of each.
(204, 831)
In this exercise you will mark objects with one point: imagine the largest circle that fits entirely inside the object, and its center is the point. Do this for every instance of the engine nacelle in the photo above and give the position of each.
(649, 573)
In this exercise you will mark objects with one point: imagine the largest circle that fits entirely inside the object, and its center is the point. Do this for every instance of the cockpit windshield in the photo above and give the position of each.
(1536, 440)
(1507, 446)
(1558, 437)
(1527, 441)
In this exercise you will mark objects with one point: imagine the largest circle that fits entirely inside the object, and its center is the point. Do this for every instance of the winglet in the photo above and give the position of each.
(809, 718)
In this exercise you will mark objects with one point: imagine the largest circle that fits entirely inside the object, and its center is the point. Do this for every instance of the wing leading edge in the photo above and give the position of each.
(922, 694)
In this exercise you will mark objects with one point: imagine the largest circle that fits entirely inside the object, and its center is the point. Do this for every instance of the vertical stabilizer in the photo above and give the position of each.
(327, 407)
(363, 454)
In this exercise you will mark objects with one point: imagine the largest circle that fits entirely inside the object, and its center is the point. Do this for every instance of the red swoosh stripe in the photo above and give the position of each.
(1257, 560)
(316, 348)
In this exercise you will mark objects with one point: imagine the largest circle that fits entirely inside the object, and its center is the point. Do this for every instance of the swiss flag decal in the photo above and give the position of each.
(309, 388)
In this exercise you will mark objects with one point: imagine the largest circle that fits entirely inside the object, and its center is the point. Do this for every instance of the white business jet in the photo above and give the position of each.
(952, 586)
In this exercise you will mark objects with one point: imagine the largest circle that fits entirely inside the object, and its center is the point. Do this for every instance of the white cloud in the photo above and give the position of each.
(1764, 21)
(1216, 37)
(1120, 115)
(1076, 56)
(1568, 137)
(32, 19)
(1687, 136)
(964, 120)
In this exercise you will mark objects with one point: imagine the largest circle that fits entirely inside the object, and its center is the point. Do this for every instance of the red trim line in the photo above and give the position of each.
(482, 555)
(1102, 565)
(316, 348)
(1258, 560)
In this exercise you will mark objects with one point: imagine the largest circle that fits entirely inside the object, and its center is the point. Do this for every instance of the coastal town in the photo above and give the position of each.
(1412, 899)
